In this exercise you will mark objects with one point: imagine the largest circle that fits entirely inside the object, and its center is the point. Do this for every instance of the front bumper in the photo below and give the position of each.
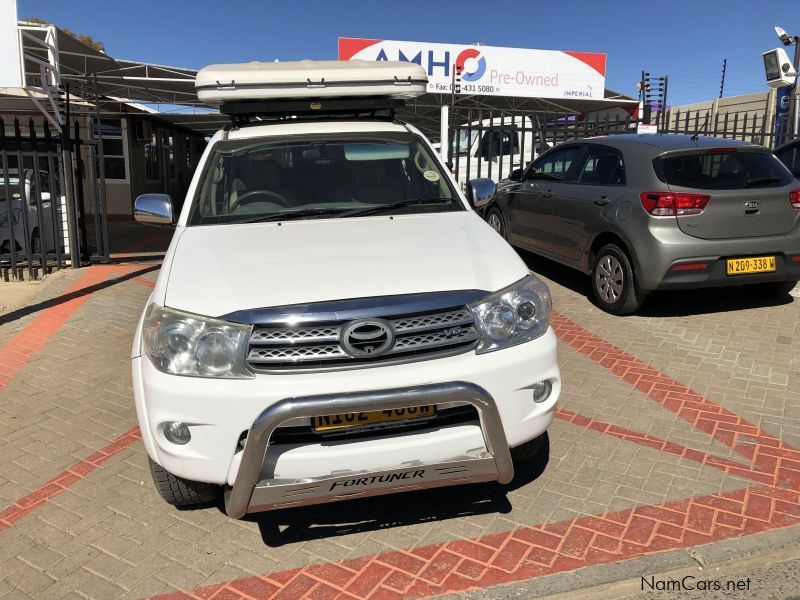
(219, 412)
(254, 490)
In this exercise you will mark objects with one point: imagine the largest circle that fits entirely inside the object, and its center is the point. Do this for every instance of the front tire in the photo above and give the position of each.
(495, 220)
(179, 491)
(613, 282)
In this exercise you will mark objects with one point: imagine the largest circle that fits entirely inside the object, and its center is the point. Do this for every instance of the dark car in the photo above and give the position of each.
(789, 154)
(641, 213)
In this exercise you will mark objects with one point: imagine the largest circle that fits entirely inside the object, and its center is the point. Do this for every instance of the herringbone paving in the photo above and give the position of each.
(676, 429)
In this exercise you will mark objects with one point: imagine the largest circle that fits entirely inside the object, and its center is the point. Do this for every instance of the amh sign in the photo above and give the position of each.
(492, 70)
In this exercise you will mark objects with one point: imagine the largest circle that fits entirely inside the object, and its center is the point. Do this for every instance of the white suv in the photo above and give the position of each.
(332, 319)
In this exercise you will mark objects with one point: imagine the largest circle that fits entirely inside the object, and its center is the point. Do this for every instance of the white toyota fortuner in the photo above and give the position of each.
(332, 319)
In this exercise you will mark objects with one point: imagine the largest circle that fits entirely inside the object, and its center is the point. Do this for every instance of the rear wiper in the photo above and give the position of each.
(761, 181)
(293, 214)
(379, 209)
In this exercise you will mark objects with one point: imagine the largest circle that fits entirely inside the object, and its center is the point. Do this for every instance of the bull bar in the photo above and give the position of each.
(250, 493)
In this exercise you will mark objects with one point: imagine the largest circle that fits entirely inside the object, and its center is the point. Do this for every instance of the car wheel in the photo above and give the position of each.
(495, 220)
(179, 491)
(775, 289)
(613, 284)
(525, 454)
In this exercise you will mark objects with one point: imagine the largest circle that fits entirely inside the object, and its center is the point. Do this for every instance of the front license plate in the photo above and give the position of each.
(359, 419)
(758, 264)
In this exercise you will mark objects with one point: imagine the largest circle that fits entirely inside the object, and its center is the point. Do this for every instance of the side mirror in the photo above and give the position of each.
(480, 191)
(153, 209)
(515, 175)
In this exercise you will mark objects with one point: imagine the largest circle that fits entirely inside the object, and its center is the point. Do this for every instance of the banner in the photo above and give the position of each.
(783, 128)
(491, 70)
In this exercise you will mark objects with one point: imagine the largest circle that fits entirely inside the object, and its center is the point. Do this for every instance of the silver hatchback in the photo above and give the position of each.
(641, 213)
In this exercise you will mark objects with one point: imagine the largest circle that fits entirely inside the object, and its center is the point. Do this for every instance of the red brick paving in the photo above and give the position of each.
(526, 552)
(64, 480)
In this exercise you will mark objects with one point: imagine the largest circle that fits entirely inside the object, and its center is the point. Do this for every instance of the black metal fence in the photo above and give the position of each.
(492, 143)
(755, 126)
(33, 230)
(41, 180)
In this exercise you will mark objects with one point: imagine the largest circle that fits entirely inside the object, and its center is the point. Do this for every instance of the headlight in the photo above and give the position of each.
(514, 315)
(185, 344)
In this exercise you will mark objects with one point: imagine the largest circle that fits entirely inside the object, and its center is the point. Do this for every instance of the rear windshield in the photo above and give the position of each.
(317, 177)
(723, 171)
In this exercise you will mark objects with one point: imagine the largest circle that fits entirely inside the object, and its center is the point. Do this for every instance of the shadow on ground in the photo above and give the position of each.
(287, 526)
(662, 304)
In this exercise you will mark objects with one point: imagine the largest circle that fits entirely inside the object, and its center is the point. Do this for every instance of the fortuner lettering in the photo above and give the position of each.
(379, 479)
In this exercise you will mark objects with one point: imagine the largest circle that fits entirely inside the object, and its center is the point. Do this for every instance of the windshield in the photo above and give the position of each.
(724, 170)
(320, 178)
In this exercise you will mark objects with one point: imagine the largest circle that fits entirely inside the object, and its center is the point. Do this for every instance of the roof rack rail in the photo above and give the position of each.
(324, 106)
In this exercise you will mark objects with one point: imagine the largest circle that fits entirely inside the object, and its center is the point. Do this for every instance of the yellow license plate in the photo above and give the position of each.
(360, 419)
(757, 264)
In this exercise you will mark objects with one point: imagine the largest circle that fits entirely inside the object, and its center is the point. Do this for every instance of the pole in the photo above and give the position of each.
(66, 154)
(722, 83)
(444, 138)
(793, 114)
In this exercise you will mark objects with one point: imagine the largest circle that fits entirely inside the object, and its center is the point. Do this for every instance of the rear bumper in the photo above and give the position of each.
(661, 245)
(715, 273)
(256, 489)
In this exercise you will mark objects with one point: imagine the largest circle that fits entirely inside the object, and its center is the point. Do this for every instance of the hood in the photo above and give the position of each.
(219, 269)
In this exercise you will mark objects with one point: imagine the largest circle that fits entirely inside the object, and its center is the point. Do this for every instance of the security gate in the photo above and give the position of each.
(37, 193)
(492, 143)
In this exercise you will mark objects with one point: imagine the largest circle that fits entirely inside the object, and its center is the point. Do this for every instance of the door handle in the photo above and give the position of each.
(602, 201)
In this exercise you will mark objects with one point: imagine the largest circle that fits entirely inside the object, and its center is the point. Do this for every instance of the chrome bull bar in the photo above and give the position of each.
(250, 493)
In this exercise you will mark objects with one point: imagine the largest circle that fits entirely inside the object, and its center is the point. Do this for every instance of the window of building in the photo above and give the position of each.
(112, 132)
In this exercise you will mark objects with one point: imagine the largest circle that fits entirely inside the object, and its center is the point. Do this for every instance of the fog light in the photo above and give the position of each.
(541, 390)
(177, 432)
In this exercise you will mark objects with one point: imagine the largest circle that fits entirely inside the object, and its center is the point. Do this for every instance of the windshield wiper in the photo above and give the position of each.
(293, 214)
(761, 181)
(383, 208)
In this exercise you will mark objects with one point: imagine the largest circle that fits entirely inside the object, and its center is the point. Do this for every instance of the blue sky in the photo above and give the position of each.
(686, 40)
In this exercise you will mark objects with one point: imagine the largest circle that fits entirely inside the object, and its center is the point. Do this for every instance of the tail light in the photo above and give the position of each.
(794, 198)
(669, 204)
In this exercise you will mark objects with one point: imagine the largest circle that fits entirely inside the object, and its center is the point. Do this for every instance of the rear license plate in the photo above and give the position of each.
(359, 419)
(758, 264)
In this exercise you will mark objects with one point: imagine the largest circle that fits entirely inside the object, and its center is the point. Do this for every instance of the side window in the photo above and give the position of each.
(496, 142)
(602, 166)
(555, 165)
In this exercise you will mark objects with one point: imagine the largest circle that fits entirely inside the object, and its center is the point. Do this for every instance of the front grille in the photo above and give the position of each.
(282, 347)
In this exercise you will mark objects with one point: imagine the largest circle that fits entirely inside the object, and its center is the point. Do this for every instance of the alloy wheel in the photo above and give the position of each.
(495, 223)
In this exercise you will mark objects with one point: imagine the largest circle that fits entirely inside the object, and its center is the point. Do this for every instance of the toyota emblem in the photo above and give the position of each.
(367, 338)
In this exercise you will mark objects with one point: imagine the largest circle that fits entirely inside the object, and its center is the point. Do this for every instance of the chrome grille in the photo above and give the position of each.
(309, 346)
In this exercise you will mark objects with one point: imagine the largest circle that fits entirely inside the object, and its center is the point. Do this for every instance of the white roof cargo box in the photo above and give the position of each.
(308, 79)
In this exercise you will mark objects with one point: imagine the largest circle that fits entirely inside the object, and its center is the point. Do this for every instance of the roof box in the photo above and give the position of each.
(307, 79)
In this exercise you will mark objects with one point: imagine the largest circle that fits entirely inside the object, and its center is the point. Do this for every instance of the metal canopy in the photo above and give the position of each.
(52, 55)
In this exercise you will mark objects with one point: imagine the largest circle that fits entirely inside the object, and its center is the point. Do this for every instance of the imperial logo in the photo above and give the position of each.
(388, 478)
